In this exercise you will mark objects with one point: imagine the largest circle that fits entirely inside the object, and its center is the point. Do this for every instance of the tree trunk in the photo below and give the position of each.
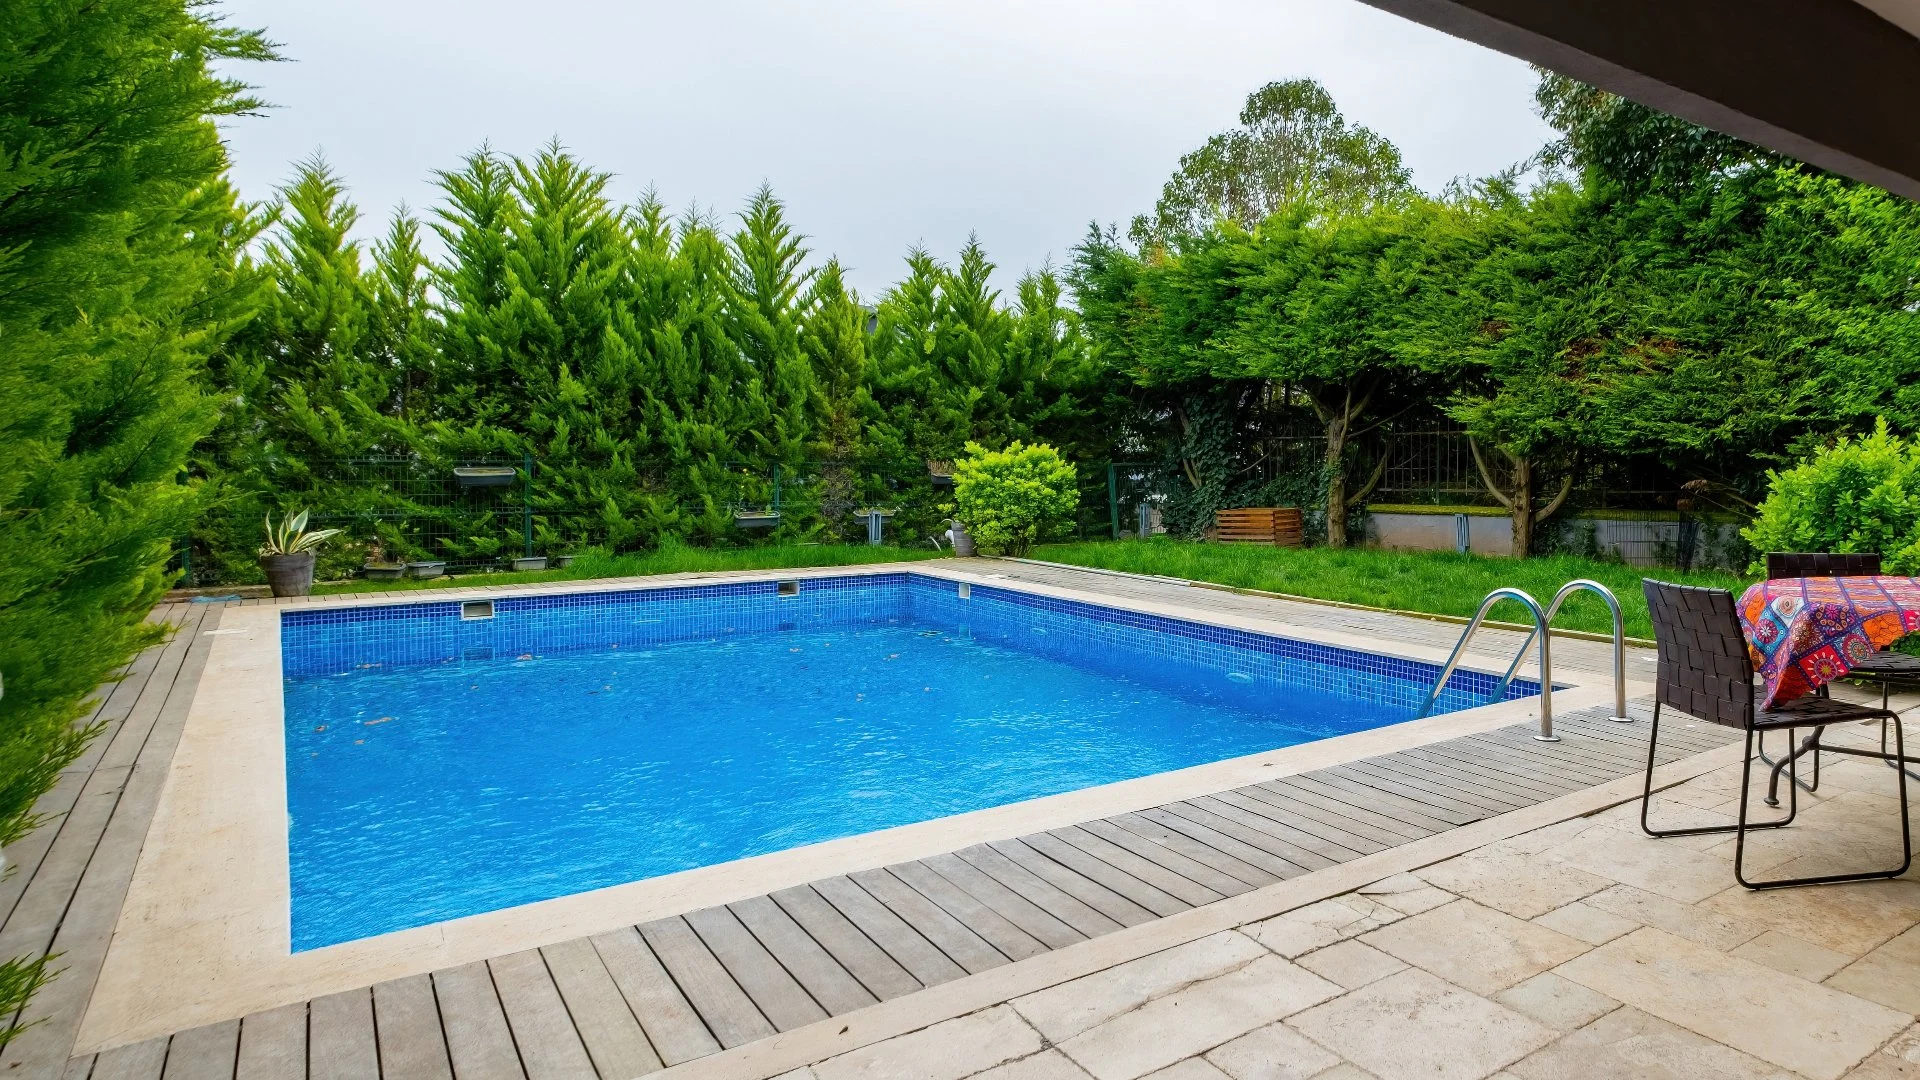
(1519, 501)
(1337, 479)
(1339, 415)
(1520, 510)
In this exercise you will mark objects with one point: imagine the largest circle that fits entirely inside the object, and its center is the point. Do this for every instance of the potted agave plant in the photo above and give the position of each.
(287, 556)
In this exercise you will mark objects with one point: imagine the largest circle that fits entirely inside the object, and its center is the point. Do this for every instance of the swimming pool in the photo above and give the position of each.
(447, 759)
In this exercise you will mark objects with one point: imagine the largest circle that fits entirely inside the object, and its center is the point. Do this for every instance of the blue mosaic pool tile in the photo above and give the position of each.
(335, 640)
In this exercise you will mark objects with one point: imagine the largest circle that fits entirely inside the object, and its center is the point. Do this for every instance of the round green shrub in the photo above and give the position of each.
(1011, 499)
(1859, 495)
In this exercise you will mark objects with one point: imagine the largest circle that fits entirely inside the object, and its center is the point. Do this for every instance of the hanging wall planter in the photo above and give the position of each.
(756, 519)
(430, 568)
(530, 562)
(473, 476)
(384, 571)
(940, 473)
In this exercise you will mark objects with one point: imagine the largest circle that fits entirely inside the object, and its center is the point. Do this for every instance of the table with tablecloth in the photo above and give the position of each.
(1806, 632)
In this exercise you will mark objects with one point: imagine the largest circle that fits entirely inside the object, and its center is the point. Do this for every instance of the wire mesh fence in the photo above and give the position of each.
(483, 513)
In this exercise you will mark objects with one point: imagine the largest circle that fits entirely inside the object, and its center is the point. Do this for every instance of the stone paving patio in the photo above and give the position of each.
(1583, 949)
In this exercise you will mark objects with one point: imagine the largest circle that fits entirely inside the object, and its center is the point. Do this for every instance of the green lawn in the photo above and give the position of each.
(1439, 582)
(666, 560)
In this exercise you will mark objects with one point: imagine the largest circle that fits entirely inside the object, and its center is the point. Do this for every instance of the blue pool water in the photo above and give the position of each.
(564, 746)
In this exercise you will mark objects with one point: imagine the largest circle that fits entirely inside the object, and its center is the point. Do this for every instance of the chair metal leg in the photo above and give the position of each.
(1899, 760)
(1810, 744)
(1906, 830)
(1646, 795)
(1773, 784)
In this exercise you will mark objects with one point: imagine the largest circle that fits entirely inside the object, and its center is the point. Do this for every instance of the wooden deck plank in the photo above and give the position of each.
(1147, 870)
(273, 1044)
(1422, 794)
(43, 903)
(1192, 869)
(1417, 776)
(1398, 797)
(1573, 756)
(879, 973)
(613, 1036)
(341, 1044)
(1179, 843)
(407, 1018)
(550, 1047)
(175, 671)
(781, 998)
(1085, 920)
(1224, 805)
(203, 1053)
(1563, 771)
(1334, 828)
(26, 856)
(1275, 866)
(479, 1043)
(1147, 895)
(86, 929)
(1484, 776)
(115, 699)
(995, 928)
(1227, 822)
(1082, 888)
(672, 1025)
(923, 959)
(135, 1061)
(824, 979)
(954, 938)
(1332, 790)
(729, 1013)
(1304, 794)
(1038, 923)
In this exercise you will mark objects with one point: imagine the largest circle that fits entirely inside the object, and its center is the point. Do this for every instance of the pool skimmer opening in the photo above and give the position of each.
(476, 609)
(789, 588)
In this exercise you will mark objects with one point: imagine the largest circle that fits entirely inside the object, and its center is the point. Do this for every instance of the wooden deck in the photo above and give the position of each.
(627, 1002)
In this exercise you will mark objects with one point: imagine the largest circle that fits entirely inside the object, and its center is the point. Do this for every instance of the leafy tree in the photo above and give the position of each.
(1292, 153)
(119, 274)
(1529, 317)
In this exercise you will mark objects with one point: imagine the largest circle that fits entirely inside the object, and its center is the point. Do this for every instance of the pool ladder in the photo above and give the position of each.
(1543, 632)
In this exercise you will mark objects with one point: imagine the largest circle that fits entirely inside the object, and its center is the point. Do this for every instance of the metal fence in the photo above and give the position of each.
(480, 513)
(1616, 510)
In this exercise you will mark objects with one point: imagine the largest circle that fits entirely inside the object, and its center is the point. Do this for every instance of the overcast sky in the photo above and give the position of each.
(881, 124)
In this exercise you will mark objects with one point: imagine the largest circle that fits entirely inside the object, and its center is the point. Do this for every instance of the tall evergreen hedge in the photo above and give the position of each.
(118, 278)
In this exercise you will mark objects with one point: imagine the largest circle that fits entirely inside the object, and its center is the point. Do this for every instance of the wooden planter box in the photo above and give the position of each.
(1275, 525)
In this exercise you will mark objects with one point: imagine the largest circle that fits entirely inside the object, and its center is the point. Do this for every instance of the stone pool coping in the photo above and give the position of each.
(206, 915)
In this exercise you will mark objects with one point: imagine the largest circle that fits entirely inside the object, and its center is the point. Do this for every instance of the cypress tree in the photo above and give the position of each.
(118, 275)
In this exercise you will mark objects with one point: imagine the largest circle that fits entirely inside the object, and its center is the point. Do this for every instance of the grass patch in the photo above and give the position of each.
(665, 560)
(1437, 582)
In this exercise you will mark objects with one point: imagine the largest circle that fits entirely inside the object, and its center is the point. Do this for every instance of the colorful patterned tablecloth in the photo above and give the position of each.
(1806, 632)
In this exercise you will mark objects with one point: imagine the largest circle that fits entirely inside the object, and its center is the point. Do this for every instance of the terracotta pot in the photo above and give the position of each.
(289, 575)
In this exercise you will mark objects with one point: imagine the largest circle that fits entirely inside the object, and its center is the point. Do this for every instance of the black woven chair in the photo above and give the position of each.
(1886, 667)
(1705, 671)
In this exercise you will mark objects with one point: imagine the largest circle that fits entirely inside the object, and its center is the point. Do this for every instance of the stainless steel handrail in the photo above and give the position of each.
(1619, 644)
(1619, 639)
(1546, 662)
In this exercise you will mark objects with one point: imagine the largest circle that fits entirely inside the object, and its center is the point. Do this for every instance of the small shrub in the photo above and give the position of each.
(1011, 499)
(1860, 495)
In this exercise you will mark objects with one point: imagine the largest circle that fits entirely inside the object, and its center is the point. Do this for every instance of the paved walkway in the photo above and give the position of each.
(1581, 949)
